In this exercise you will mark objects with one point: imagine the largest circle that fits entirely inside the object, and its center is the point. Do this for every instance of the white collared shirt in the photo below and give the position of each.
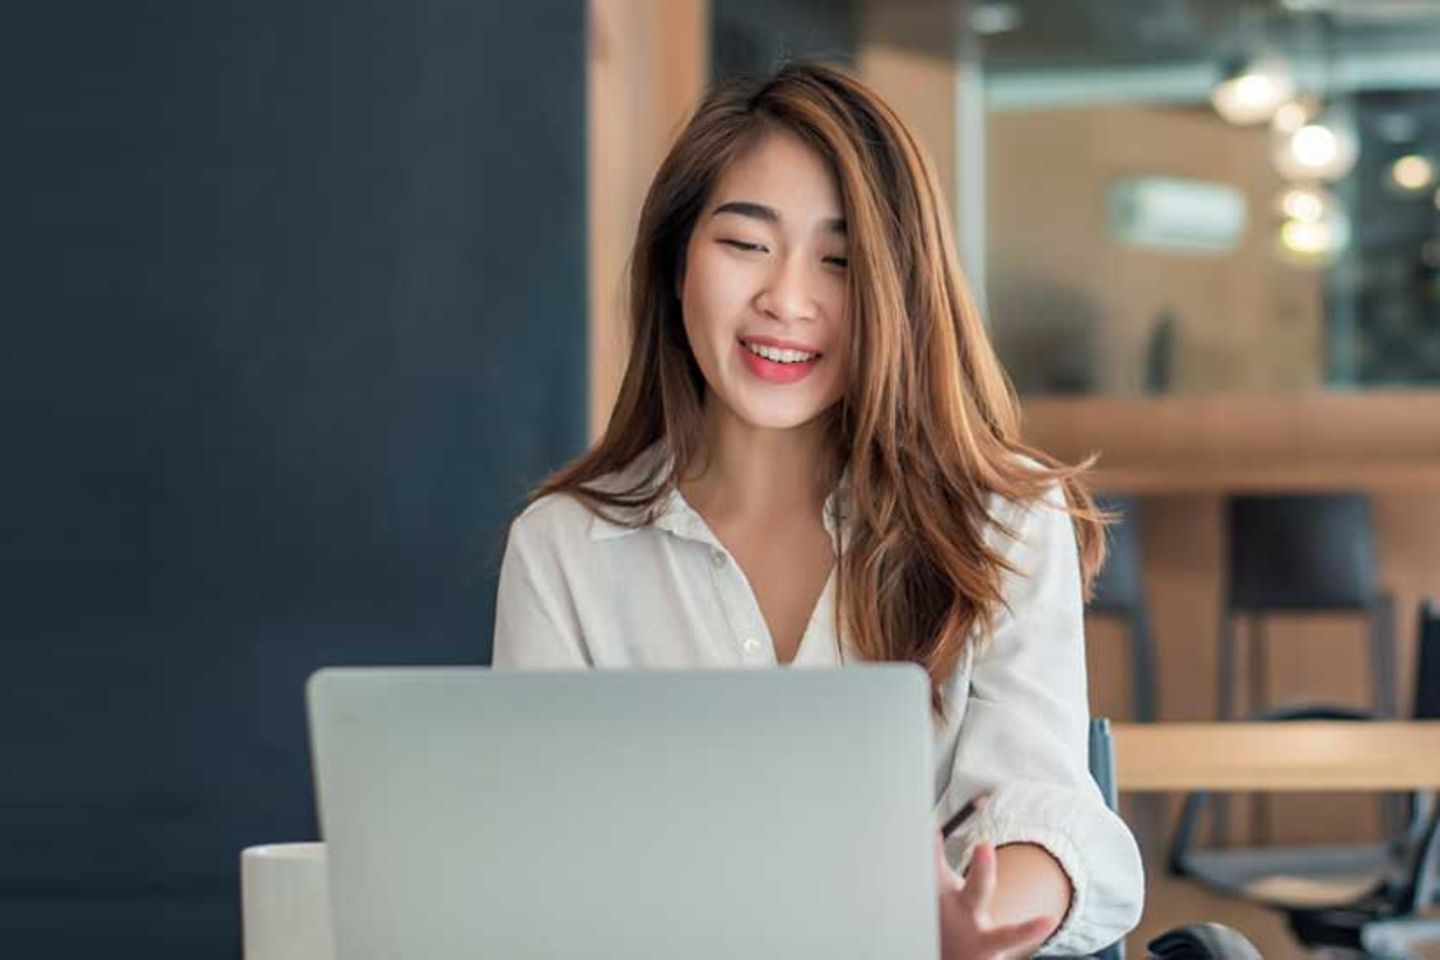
(577, 590)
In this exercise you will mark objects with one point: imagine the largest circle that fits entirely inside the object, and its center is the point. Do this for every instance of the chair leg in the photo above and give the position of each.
(1381, 630)
(1258, 687)
(1382, 655)
(1259, 683)
(1225, 694)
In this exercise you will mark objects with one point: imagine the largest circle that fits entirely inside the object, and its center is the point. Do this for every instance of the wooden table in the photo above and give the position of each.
(1299, 755)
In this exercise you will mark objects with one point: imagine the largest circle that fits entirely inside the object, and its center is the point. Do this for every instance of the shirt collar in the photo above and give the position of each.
(674, 514)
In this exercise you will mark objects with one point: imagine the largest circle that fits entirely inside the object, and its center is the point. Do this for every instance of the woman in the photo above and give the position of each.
(814, 458)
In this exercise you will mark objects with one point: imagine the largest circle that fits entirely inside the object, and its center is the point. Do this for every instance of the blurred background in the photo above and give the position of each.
(303, 298)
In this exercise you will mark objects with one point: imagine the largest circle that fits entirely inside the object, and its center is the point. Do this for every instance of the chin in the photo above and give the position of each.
(773, 417)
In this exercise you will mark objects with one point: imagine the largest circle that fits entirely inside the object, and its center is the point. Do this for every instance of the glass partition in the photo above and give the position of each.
(1323, 118)
(1167, 196)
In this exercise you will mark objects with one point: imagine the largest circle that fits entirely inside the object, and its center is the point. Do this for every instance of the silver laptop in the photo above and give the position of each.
(702, 814)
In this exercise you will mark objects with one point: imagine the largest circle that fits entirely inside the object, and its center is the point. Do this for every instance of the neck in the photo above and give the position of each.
(752, 474)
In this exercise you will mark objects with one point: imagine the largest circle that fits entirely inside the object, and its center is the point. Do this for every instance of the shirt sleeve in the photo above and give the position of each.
(1025, 735)
(536, 626)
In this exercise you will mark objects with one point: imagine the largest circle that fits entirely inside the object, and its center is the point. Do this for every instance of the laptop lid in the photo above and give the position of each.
(630, 814)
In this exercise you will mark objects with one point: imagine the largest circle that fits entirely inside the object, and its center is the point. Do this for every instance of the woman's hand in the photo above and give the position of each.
(966, 929)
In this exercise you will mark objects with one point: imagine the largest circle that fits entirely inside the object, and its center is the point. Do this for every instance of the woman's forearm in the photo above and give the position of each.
(1029, 883)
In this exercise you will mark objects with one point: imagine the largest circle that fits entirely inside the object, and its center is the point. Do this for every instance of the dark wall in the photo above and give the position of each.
(759, 36)
(294, 313)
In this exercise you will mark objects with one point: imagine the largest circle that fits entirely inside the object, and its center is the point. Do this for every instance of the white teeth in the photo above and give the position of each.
(777, 355)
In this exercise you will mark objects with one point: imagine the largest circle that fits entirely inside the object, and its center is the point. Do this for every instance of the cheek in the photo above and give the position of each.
(715, 292)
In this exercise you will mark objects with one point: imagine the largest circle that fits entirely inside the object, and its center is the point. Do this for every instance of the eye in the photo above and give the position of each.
(841, 262)
(746, 247)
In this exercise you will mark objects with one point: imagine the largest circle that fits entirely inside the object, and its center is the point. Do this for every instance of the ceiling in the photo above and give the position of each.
(1111, 32)
(1073, 51)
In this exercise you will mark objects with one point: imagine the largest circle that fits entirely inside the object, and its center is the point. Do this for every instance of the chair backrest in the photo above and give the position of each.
(1427, 663)
(1311, 551)
(1102, 760)
(1102, 768)
(1119, 589)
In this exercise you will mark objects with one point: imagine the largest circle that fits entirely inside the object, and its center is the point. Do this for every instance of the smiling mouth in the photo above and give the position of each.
(780, 354)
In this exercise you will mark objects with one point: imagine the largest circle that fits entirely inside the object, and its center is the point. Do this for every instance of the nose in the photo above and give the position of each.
(787, 293)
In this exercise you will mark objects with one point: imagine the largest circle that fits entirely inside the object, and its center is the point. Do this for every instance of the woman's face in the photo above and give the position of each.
(764, 289)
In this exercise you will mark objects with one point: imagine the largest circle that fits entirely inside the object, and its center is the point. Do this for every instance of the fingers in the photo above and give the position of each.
(980, 879)
(971, 900)
(1016, 939)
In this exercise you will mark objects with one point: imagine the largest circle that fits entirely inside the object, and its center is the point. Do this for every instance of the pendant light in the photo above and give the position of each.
(1310, 144)
(1250, 91)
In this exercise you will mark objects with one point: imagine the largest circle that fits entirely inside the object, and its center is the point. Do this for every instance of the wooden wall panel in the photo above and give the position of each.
(648, 60)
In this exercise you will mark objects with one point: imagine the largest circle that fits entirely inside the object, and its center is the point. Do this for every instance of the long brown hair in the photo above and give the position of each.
(928, 427)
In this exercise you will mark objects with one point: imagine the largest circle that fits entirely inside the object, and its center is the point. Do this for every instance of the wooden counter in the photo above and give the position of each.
(1374, 440)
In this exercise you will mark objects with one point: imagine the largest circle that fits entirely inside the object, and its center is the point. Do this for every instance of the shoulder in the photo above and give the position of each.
(1007, 512)
(1034, 541)
(555, 515)
(1030, 528)
(565, 520)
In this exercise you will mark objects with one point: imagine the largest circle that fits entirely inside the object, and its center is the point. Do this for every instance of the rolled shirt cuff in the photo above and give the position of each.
(1091, 843)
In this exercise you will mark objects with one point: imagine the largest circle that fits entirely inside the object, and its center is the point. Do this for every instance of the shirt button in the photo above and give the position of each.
(717, 557)
(751, 645)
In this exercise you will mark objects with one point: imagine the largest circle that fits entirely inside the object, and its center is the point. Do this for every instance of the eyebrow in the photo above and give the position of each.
(759, 211)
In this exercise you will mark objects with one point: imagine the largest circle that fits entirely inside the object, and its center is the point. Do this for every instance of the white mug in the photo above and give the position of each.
(285, 902)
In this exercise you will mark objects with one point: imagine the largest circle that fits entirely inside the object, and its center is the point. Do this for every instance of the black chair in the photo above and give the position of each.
(1331, 896)
(1307, 553)
(1302, 553)
(1120, 594)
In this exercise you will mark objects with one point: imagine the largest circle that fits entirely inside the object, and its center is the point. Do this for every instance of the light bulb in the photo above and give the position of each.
(1325, 148)
(1315, 145)
(1250, 93)
(1306, 204)
(1306, 238)
(1314, 243)
(1412, 173)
